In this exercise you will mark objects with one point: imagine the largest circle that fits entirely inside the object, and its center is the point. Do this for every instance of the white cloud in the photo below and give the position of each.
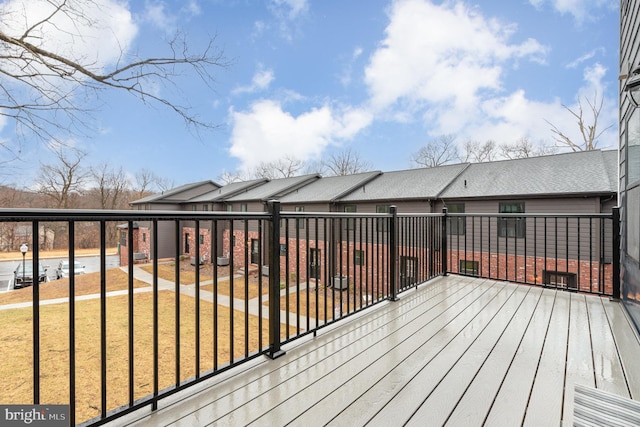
(508, 118)
(288, 14)
(346, 74)
(98, 35)
(266, 132)
(192, 8)
(447, 64)
(581, 10)
(587, 56)
(260, 81)
(292, 9)
(156, 13)
(442, 53)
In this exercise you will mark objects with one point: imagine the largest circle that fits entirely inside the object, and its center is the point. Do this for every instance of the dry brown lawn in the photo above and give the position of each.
(16, 345)
(85, 284)
(241, 289)
(167, 271)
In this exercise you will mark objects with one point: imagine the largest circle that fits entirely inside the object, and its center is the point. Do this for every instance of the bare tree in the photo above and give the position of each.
(588, 130)
(524, 148)
(111, 186)
(63, 181)
(476, 152)
(148, 182)
(345, 162)
(437, 152)
(229, 177)
(282, 168)
(44, 82)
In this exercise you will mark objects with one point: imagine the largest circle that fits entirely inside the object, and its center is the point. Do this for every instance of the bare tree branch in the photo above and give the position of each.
(589, 131)
(283, 168)
(346, 162)
(437, 152)
(476, 152)
(46, 92)
(62, 180)
(524, 148)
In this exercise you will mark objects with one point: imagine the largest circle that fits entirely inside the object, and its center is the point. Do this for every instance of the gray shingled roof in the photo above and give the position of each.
(227, 191)
(274, 188)
(423, 183)
(173, 195)
(328, 189)
(561, 174)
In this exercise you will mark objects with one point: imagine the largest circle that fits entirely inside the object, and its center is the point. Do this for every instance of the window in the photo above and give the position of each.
(300, 221)
(233, 241)
(383, 222)
(457, 225)
(560, 279)
(633, 149)
(144, 237)
(201, 239)
(194, 207)
(469, 267)
(229, 207)
(350, 223)
(243, 207)
(187, 248)
(633, 224)
(511, 226)
(358, 257)
(123, 238)
(205, 207)
(283, 249)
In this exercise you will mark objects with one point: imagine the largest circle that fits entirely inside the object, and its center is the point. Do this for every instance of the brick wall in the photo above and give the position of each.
(141, 244)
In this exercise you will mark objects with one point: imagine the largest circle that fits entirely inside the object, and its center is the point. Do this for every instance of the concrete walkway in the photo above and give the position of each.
(189, 290)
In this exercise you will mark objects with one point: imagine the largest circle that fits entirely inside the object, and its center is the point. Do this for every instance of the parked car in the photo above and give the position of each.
(63, 269)
(21, 279)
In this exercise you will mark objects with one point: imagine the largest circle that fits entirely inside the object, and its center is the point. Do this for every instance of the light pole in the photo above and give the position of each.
(24, 248)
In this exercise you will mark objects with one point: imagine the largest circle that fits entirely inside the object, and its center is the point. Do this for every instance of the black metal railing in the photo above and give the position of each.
(189, 295)
(575, 252)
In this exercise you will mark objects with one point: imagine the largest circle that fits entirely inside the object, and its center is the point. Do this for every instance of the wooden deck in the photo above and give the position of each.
(457, 351)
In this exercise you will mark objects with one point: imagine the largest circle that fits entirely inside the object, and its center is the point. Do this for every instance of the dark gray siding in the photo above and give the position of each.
(629, 188)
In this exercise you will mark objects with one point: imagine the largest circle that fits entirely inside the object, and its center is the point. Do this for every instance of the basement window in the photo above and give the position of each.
(560, 279)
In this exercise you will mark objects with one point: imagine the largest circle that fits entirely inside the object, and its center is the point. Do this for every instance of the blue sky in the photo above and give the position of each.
(309, 77)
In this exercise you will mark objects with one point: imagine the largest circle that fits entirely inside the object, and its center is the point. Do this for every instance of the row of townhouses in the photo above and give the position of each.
(571, 183)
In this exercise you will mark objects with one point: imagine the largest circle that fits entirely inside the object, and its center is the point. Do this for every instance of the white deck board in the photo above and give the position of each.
(607, 365)
(546, 400)
(510, 403)
(458, 350)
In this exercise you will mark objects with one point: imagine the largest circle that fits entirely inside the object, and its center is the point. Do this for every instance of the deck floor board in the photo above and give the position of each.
(460, 351)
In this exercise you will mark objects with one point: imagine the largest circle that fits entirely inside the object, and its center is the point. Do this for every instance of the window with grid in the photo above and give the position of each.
(457, 225)
(383, 222)
(350, 223)
(300, 221)
(511, 226)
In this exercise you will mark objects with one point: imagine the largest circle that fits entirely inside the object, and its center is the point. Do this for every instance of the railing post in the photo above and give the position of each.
(274, 281)
(393, 256)
(616, 252)
(443, 243)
